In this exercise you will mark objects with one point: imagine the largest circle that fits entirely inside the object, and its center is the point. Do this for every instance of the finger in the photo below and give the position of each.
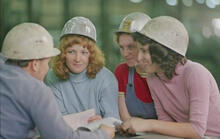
(131, 131)
(90, 119)
(94, 118)
(123, 133)
(125, 126)
(98, 117)
(118, 127)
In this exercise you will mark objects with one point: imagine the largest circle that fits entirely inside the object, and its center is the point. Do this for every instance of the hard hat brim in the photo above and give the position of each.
(46, 54)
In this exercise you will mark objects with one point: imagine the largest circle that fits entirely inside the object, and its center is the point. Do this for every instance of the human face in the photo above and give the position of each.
(128, 49)
(43, 68)
(77, 58)
(144, 59)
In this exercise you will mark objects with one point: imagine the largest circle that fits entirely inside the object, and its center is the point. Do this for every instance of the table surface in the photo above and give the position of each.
(147, 136)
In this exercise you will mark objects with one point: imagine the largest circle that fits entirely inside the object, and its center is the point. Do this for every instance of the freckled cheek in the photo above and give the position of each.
(135, 53)
(69, 59)
(68, 63)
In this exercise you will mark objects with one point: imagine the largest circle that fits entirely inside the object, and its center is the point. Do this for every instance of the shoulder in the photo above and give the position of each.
(121, 71)
(105, 76)
(32, 87)
(36, 86)
(21, 85)
(191, 68)
(195, 73)
(104, 72)
(122, 67)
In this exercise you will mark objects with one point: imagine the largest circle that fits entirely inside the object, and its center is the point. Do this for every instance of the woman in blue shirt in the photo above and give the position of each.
(79, 79)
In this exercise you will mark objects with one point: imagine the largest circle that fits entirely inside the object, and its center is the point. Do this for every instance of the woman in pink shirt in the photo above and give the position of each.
(186, 96)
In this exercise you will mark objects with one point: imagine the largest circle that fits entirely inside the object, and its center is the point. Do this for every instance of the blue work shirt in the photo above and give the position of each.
(26, 103)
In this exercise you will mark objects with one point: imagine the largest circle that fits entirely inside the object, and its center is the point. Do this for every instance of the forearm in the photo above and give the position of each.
(184, 130)
(123, 111)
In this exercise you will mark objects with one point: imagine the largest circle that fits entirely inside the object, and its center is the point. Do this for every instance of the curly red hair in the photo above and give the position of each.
(96, 58)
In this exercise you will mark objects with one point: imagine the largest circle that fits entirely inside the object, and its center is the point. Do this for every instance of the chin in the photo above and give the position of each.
(76, 71)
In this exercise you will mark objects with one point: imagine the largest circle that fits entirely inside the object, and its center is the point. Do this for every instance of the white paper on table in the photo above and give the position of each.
(109, 121)
(76, 120)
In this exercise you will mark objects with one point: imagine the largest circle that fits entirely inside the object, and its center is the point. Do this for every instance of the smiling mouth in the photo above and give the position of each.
(77, 64)
(129, 59)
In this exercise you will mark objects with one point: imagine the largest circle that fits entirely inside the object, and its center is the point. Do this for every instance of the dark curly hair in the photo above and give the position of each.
(166, 58)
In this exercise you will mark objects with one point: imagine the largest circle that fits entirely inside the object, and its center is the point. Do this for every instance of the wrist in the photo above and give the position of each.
(149, 125)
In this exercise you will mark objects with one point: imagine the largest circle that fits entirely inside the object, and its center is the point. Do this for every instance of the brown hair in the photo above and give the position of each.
(96, 58)
(20, 63)
(166, 58)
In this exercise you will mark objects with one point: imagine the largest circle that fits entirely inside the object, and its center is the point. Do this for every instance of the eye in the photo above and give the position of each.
(130, 47)
(144, 50)
(121, 47)
(85, 52)
(70, 51)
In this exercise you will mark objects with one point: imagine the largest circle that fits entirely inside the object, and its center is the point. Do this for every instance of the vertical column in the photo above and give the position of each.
(179, 14)
(33, 10)
(105, 31)
(1, 23)
(66, 10)
(29, 10)
(4, 26)
(152, 8)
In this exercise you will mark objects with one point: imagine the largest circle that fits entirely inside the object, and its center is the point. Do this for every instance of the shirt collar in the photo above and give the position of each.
(80, 77)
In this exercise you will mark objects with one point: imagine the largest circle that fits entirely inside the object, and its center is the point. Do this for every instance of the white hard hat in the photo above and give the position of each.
(79, 26)
(169, 32)
(28, 41)
(133, 22)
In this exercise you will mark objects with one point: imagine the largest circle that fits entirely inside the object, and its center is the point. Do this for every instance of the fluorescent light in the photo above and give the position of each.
(136, 1)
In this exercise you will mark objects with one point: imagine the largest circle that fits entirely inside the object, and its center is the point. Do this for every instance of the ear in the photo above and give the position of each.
(35, 65)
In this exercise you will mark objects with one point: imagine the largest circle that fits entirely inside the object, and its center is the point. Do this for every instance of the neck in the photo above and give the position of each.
(31, 71)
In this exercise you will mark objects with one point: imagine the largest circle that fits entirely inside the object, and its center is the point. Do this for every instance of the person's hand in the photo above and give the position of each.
(120, 131)
(110, 130)
(134, 125)
(94, 118)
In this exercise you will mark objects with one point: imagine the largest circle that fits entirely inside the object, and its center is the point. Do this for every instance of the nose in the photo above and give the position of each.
(126, 52)
(77, 58)
(140, 56)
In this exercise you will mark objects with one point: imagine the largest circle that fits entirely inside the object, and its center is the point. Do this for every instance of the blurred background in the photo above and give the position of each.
(200, 17)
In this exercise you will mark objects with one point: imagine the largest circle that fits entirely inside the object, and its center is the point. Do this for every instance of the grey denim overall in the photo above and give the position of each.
(136, 107)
